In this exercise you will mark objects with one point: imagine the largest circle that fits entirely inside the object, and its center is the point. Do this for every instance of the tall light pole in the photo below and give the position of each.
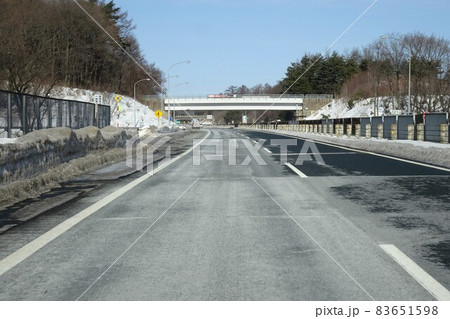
(168, 96)
(168, 76)
(384, 37)
(134, 96)
(174, 111)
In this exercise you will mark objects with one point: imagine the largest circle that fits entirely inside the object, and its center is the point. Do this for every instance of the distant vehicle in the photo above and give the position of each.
(182, 127)
(196, 124)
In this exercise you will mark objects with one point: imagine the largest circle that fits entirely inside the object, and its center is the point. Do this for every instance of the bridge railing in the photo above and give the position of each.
(228, 97)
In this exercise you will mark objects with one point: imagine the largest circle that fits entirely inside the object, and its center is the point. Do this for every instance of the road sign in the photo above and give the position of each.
(118, 98)
(158, 114)
(98, 99)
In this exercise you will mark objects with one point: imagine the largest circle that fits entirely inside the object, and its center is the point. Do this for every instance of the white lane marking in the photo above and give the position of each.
(315, 241)
(137, 239)
(267, 150)
(296, 170)
(429, 283)
(124, 218)
(365, 152)
(29, 249)
(314, 154)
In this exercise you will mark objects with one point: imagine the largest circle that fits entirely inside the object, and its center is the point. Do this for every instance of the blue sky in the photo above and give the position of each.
(235, 42)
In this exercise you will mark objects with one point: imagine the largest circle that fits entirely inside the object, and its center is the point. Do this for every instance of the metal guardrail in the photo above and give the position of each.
(26, 113)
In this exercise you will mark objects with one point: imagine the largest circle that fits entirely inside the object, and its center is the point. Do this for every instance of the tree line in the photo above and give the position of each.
(378, 69)
(44, 43)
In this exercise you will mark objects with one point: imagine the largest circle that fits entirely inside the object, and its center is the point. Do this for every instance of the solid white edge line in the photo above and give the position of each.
(362, 151)
(437, 290)
(29, 249)
(296, 170)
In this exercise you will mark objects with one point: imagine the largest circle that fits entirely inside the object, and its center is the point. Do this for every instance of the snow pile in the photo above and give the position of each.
(123, 112)
(37, 151)
(363, 108)
(5, 140)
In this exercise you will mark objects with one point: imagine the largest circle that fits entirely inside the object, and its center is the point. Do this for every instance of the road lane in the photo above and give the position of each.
(217, 232)
(341, 161)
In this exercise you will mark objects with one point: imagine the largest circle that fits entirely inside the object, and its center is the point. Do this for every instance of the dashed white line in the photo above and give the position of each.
(296, 170)
(421, 276)
(314, 154)
(365, 152)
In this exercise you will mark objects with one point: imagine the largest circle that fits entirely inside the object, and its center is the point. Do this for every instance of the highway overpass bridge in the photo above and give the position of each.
(222, 102)
(184, 108)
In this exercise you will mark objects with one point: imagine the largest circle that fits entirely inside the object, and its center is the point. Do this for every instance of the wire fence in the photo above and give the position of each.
(22, 113)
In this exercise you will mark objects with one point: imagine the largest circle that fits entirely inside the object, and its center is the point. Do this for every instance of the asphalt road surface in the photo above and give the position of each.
(232, 221)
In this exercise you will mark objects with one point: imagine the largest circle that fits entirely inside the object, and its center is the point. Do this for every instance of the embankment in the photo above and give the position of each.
(42, 159)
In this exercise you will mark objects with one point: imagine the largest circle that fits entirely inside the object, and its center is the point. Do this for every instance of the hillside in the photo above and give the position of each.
(122, 114)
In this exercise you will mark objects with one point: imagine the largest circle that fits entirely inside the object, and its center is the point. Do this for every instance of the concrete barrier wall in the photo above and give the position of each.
(411, 132)
(445, 133)
(434, 129)
(368, 131)
(349, 130)
(420, 132)
(358, 130)
(394, 132)
(380, 130)
(40, 150)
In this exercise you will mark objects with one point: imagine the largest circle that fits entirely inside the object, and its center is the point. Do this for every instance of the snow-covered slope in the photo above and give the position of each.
(340, 109)
(122, 113)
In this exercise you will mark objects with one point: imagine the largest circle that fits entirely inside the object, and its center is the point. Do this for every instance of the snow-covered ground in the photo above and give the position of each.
(363, 108)
(4, 140)
(122, 113)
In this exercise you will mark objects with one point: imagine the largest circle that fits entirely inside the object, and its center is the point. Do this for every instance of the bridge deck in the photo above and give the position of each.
(234, 103)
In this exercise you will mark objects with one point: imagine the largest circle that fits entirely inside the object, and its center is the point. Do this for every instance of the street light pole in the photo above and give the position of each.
(168, 96)
(134, 96)
(174, 111)
(168, 84)
(409, 80)
(384, 37)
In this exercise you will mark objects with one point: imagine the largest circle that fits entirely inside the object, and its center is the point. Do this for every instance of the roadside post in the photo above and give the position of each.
(158, 114)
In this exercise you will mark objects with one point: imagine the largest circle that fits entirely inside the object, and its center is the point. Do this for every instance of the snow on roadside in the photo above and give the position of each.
(340, 109)
(425, 152)
(7, 140)
(122, 113)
